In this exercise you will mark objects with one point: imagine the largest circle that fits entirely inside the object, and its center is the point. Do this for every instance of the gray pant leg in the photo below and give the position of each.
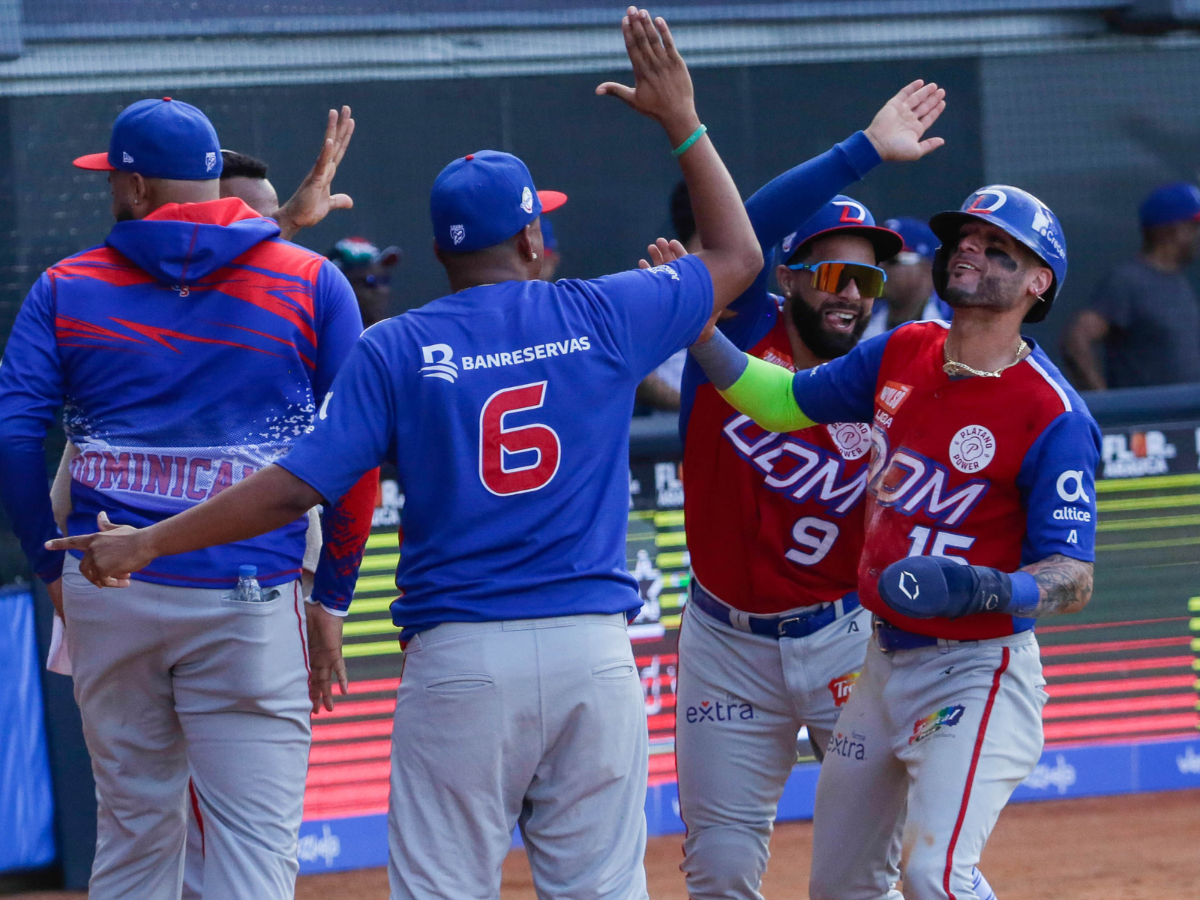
(465, 746)
(735, 746)
(193, 857)
(584, 818)
(860, 795)
(963, 771)
(241, 690)
(133, 737)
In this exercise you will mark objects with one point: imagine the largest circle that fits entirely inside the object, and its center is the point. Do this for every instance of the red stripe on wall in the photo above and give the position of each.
(1066, 670)
(1114, 646)
(1066, 731)
(1121, 685)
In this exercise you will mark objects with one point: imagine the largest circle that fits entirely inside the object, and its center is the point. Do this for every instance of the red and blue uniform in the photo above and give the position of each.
(188, 351)
(774, 521)
(993, 472)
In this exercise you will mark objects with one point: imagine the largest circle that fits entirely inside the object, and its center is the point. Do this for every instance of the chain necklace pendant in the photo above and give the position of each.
(953, 367)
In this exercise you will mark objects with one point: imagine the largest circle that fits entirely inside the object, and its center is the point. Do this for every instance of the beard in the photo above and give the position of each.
(822, 341)
(124, 214)
(989, 293)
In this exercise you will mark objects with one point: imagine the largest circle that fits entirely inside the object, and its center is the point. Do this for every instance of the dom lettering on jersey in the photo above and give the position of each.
(801, 470)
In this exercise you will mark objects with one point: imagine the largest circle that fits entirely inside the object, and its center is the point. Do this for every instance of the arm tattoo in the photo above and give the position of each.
(1065, 584)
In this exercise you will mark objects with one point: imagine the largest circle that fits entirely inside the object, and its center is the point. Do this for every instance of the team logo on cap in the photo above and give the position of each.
(126, 158)
(457, 234)
(852, 212)
(527, 200)
(999, 198)
(210, 160)
(788, 242)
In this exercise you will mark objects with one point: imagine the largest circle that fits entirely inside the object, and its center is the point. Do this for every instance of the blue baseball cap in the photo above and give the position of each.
(1178, 202)
(160, 139)
(843, 214)
(485, 198)
(919, 239)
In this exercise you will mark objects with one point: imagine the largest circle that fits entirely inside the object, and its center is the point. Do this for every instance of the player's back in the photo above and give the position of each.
(190, 348)
(511, 435)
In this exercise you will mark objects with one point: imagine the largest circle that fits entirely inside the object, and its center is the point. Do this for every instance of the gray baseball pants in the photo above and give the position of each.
(740, 700)
(175, 682)
(537, 723)
(948, 731)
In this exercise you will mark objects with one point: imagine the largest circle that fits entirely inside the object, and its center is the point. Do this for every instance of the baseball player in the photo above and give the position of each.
(505, 407)
(980, 519)
(773, 633)
(190, 350)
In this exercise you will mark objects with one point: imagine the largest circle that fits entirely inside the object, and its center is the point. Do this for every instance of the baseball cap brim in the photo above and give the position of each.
(885, 241)
(97, 162)
(551, 200)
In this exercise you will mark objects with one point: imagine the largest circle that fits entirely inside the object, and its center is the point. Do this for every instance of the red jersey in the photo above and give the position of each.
(988, 471)
(774, 521)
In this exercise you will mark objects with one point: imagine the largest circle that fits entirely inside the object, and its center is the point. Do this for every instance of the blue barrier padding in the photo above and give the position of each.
(332, 845)
(26, 797)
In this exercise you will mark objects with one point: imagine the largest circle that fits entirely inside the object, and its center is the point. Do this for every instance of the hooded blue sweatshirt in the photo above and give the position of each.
(188, 351)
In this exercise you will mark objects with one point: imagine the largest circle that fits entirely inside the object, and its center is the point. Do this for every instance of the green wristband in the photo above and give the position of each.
(683, 148)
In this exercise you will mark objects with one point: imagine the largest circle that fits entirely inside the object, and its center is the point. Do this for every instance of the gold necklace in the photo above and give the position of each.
(953, 367)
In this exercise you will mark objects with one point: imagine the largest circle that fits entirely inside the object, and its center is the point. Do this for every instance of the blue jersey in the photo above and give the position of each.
(189, 351)
(506, 409)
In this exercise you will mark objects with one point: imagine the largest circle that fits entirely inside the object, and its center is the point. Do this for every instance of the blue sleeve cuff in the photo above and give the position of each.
(860, 153)
(1025, 594)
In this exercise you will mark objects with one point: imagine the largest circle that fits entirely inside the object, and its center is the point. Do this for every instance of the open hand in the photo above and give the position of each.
(325, 657)
(312, 201)
(896, 129)
(662, 86)
(110, 554)
(662, 252)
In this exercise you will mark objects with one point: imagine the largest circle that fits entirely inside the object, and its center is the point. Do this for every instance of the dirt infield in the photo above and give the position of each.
(1137, 847)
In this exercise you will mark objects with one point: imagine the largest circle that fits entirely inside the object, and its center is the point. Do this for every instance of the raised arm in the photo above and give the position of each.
(663, 91)
(313, 201)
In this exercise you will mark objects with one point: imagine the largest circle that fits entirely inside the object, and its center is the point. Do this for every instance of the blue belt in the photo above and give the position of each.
(890, 638)
(789, 626)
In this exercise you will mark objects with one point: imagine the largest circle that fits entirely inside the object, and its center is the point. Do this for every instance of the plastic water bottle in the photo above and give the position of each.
(248, 589)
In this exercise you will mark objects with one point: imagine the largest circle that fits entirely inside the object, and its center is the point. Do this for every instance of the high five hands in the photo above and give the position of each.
(662, 86)
(313, 201)
(896, 130)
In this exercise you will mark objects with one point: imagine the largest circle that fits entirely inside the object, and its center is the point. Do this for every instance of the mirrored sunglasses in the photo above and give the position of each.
(833, 275)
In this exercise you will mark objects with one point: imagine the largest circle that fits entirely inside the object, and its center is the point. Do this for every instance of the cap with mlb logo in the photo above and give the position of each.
(483, 199)
(160, 139)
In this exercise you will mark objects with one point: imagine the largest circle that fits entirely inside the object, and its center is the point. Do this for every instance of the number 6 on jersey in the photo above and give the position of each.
(497, 443)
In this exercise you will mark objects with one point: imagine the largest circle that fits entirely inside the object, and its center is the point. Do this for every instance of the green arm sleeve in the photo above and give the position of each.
(764, 393)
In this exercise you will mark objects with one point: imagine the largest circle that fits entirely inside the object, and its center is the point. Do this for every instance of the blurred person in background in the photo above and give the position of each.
(369, 271)
(245, 177)
(661, 388)
(550, 254)
(908, 294)
(1145, 311)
